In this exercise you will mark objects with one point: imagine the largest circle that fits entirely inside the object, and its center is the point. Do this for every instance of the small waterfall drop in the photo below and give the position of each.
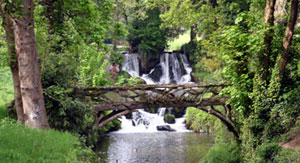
(169, 70)
(131, 64)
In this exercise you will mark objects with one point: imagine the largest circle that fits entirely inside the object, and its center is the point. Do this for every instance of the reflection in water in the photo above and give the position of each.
(160, 147)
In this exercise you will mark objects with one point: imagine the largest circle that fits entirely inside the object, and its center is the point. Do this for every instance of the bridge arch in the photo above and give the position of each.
(122, 100)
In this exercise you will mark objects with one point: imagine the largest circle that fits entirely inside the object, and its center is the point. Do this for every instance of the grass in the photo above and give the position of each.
(6, 90)
(176, 43)
(19, 143)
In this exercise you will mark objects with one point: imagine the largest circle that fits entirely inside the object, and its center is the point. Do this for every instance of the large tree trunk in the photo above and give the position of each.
(269, 22)
(29, 70)
(289, 35)
(10, 39)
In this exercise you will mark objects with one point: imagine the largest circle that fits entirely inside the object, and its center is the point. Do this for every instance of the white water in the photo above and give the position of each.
(171, 72)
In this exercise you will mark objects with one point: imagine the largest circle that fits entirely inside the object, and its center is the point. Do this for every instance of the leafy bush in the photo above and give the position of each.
(116, 57)
(223, 153)
(287, 156)
(19, 143)
(267, 152)
(125, 79)
(169, 118)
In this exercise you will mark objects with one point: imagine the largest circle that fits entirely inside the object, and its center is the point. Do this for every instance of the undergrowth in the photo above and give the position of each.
(6, 90)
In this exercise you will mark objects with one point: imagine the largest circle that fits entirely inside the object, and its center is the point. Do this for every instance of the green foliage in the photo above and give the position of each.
(125, 79)
(23, 144)
(175, 12)
(6, 86)
(223, 153)
(116, 57)
(169, 118)
(67, 113)
(262, 107)
(189, 48)
(231, 44)
(3, 48)
(198, 120)
(287, 156)
(267, 152)
(6, 90)
(145, 36)
(69, 38)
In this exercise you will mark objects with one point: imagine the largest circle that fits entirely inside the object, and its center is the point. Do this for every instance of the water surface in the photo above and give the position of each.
(158, 147)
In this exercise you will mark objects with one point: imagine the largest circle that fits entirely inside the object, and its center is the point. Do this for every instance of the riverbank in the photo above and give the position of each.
(19, 143)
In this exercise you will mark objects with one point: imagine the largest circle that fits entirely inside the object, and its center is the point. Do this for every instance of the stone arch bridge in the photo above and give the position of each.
(122, 100)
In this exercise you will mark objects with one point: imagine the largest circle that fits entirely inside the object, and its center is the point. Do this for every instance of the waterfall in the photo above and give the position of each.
(131, 64)
(173, 68)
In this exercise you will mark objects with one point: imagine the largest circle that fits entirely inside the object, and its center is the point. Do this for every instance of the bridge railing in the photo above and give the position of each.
(154, 96)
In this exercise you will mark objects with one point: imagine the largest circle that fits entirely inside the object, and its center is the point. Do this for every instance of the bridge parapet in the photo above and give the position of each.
(154, 96)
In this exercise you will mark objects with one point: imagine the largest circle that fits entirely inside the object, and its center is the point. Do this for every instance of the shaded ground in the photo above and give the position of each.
(294, 139)
(293, 143)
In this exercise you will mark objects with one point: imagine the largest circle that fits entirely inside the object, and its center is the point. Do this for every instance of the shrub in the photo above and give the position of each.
(116, 57)
(287, 156)
(223, 153)
(267, 152)
(169, 118)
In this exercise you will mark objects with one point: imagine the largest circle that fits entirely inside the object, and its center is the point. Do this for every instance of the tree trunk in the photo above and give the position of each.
(193, 34)
(269, 22)
(298, 22)
(13, 63)
(29, 70)
(289, 35)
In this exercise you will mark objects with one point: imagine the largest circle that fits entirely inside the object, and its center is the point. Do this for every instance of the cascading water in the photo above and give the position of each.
(173, 68)
(131, 64)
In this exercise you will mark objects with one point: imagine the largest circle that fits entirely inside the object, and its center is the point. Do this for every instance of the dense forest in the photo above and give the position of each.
(49, 47)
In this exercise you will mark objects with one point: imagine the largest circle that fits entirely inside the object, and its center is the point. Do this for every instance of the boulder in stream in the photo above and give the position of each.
(164, 128)
(169, 118)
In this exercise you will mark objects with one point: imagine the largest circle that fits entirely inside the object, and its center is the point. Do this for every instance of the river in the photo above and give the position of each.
(157, 147)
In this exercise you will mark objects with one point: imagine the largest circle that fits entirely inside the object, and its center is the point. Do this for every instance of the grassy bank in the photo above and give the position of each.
(23, 144)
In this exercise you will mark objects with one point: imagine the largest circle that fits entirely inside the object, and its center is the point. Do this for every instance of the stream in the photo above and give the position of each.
(158, 147)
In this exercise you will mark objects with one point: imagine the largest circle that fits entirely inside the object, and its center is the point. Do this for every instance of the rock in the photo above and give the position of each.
(148, 62)
(156, 73)
(178, 111)
(169, 118)
(164, 128)
(128, 116)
